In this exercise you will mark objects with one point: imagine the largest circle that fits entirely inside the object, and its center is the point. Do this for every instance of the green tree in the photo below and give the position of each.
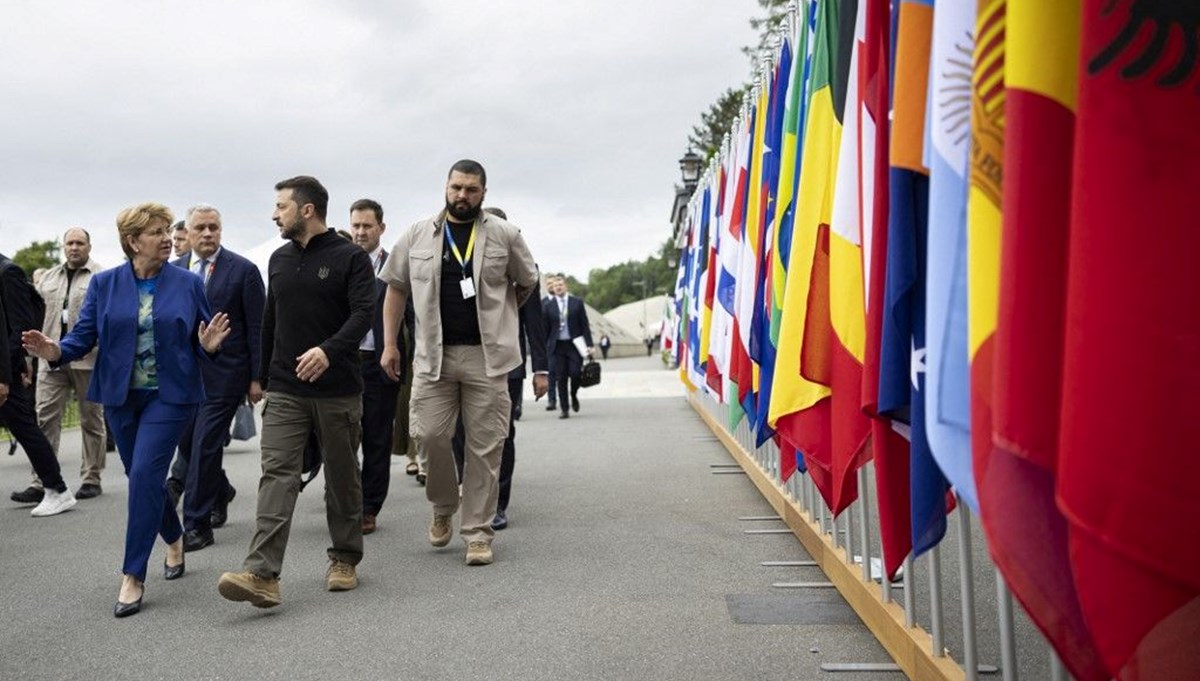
(706, 137)
(767, 26)
(633, 280)
(715, 122)
(37, 255)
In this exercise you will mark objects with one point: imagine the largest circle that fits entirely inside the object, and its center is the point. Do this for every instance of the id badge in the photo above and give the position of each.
(468, 288)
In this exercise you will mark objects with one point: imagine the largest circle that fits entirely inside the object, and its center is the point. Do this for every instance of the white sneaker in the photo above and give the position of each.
(54, 503)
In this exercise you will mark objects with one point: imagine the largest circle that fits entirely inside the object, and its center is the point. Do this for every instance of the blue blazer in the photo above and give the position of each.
(235, 287)
(108, 319)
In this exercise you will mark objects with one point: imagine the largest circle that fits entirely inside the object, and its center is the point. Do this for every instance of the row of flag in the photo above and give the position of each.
(959, 239)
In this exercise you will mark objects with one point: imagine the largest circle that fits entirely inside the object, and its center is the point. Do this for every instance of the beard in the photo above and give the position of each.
(462, 211)
(291, 231)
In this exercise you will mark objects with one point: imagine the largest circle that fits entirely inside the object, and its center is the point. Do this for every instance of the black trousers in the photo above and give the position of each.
(508, 455)
(378, 423)
(567, 364)
(18, 415)
(202, 449)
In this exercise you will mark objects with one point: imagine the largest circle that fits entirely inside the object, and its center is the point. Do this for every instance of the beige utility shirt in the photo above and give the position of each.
(505, 275)
(53, 287)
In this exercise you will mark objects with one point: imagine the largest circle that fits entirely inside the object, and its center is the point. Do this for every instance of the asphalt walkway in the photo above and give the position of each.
(625, 559)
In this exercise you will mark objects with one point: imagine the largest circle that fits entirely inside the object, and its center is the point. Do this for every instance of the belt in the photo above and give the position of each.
(366, 355)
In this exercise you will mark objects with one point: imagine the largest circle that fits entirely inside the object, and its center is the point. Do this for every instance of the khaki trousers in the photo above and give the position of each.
(464, 385)
(54, 390)
(286, 422)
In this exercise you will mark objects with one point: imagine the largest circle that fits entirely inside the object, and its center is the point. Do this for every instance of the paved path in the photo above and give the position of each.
(625, 560)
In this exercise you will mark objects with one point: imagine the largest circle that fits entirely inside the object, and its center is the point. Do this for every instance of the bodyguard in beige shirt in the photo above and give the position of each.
(467, 272)
(63, 288)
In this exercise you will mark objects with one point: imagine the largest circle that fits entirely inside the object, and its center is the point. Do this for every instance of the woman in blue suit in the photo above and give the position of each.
(151, 324)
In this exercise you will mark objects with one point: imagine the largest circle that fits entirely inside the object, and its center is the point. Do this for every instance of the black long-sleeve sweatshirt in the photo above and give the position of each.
(320, 295)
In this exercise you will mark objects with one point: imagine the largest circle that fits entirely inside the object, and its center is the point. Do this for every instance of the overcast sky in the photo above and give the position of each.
(578, 110)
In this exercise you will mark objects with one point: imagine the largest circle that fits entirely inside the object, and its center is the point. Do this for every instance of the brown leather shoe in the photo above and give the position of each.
(368, 525)
(249, 587)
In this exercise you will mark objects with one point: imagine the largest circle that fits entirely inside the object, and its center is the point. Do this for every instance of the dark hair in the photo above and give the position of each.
(497, 212)
(345, 235)
(371, 205)
(182, 224)
(306, 189)
(469, 167)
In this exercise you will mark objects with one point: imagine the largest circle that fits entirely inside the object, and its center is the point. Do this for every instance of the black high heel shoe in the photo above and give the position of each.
(127, 609)
(173, 571)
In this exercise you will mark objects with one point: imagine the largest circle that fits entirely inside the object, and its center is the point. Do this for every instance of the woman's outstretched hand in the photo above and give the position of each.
(40, 345)
(214, 333)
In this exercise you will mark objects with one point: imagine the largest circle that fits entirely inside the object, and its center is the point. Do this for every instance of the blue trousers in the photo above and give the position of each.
(146, 431)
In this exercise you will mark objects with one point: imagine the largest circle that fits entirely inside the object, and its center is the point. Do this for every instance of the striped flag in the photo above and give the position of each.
(739, 359)
(782, 178)
(747, 371)
(890, 450)
(835, 333)
(799, 407)
(903, 348)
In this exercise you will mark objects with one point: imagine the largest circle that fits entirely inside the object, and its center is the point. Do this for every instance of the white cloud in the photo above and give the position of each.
(578, 110)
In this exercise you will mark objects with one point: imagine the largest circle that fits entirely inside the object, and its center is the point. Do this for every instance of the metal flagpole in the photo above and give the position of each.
(1008, 644)
(967, 584)
(863, 514)
(935, 601)
(910, 596)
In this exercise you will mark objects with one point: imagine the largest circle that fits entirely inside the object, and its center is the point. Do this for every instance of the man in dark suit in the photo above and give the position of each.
(233, 285)
(566, 320)
(531, 332)
(379, 392)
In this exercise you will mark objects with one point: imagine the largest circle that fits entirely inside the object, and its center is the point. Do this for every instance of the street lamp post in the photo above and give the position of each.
(689, 167)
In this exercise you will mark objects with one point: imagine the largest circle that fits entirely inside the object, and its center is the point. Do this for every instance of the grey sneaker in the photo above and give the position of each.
(249, 587)
(440, 530)
(340, 576)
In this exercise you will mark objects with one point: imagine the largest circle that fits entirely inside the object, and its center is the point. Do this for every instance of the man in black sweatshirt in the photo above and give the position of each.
(320, 304)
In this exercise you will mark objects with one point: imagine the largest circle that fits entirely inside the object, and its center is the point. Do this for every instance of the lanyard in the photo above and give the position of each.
(462, 260)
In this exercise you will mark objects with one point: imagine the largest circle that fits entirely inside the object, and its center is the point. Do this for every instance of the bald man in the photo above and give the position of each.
(63, 287)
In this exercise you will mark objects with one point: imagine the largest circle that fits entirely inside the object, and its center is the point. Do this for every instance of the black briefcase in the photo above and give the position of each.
(590, 374)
